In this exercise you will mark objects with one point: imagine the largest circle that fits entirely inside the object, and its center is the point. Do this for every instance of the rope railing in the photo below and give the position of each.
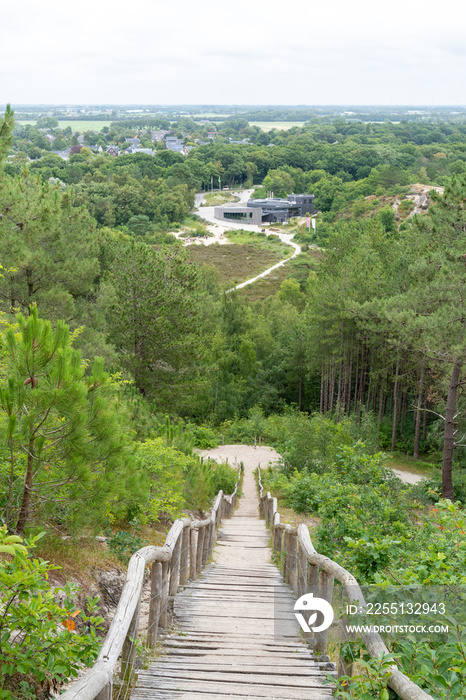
(307, 571)
(187, 548)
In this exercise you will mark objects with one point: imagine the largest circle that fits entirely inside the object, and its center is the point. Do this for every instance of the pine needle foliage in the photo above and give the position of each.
(64, 431)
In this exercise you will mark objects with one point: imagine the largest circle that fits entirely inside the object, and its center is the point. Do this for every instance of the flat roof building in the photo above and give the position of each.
(269, 210)
(239, 214)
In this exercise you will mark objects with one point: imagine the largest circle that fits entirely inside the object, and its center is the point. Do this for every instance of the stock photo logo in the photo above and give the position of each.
(309, 604)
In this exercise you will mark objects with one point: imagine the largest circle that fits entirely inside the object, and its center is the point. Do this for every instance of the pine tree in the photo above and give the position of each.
(48, 244)
(6, 133)
(154, 319)
(64, 430)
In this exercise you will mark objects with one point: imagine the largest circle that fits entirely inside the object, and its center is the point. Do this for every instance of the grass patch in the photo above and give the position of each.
(299, 268)
(191, 227)
(261, 240)
(78, 558)
(235, 263)
(407, 463)
(216, 199)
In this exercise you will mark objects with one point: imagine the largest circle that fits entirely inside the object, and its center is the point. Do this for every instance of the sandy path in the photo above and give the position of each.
(248, 511)
(407, 477)
(252, 456)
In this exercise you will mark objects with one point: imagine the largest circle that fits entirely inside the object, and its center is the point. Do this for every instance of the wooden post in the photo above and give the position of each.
(128, 652)
(210, 534)
(193, 533)
(163, 617)
(200, 548)
(325, 592)
(205, 548)
(184, 560)
(344, 668)
(154, 605)
(291, 561)
(302, 571)
(285, 545)
(106, 693)
(175, 567)
(260, 440)
(213, 534)
(313, 580)
(277, 535)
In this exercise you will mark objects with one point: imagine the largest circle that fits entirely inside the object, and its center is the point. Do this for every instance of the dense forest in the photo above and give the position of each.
(365, 331)
(120, 354)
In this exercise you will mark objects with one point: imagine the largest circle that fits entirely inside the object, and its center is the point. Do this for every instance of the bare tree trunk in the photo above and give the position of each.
(379, 421)
(356, 380)
(332, 387)
(348, 386)
(369, 391)
(362, 379)
(325, 387)
(321, 404)
(10, 486)
(371, 383)
(395, 405)
(424, 419)
(417, 426)
(402, 411)
(449, 434)
(337, 416)
(25, 504)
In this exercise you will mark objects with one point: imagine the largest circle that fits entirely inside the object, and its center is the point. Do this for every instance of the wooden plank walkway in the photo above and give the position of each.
(236, 637)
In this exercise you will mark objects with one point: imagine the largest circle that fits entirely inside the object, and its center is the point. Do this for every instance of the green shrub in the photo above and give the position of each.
(222, 477)
(430, 490)
(44, 637)
(440, 667)
(123, 544)
(205, 437)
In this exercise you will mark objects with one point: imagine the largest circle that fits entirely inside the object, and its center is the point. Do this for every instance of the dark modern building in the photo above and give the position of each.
(276, 209)
(268, 210)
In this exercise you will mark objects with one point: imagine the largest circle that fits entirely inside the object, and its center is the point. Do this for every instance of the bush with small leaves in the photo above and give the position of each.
(44, 638)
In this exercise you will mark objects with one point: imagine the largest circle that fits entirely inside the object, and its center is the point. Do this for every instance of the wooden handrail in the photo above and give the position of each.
(307, 571)
(183, 554)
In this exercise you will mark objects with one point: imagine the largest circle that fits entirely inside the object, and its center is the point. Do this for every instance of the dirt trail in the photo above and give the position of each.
(252, 456)
(407, 477)
(249, 502)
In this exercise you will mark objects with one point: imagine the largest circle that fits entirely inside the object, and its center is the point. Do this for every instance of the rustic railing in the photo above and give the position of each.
(307, 571)
(187, 548)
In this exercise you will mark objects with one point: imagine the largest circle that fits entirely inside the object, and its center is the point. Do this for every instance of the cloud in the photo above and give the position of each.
(248, 52)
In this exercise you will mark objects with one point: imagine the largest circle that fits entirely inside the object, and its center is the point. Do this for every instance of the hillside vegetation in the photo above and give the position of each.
(121, 354)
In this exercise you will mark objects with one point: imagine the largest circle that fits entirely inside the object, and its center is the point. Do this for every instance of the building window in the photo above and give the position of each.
(237, 215)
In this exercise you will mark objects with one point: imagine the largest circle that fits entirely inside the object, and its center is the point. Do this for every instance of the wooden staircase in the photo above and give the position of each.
(236, 635)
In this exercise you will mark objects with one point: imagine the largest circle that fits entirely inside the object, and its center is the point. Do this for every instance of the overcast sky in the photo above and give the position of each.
(243, 52)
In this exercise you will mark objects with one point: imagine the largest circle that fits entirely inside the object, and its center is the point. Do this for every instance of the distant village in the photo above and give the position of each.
(134, 145)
